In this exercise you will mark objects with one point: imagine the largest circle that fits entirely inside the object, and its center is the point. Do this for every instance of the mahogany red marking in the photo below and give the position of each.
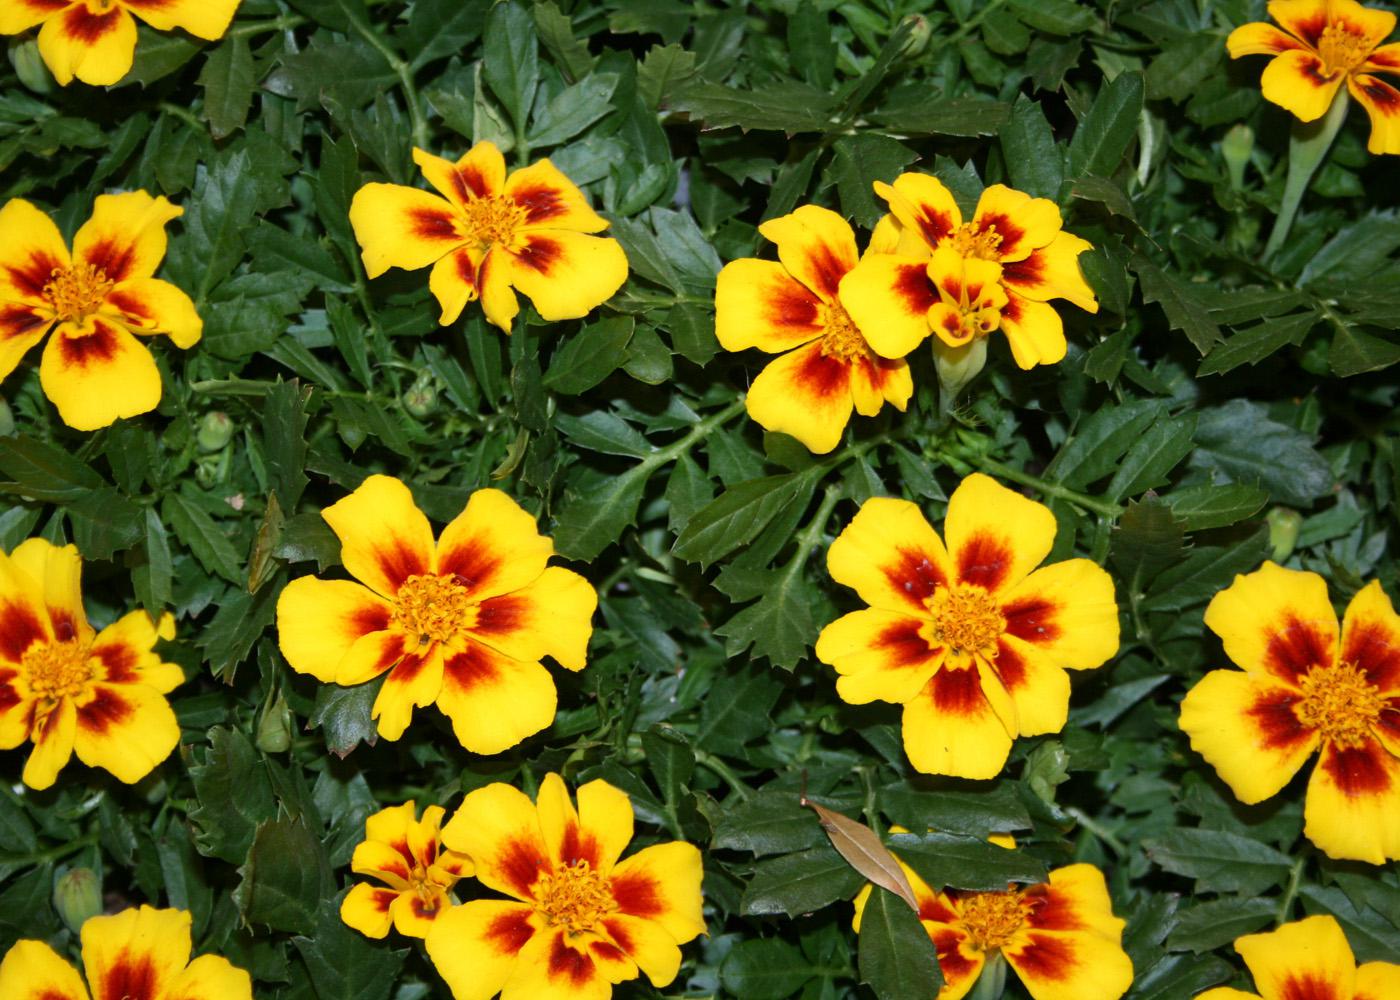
(1032, 619)
(98, 347)
(17, 320)
(828, 268)
(129, 978)
(31, 277)
(822, 375)
(19, 628)
(471, 668)
(9, 697)
(1276, 721)
(1385, 97)
(1011, 667)
(430, 224)
(1051, 909)
(1358, 772)
(566, 963)
(1029, 272)
(1295, 648)
(912, 285)
(1375, 650)
(1045, 957)
(903, 644)
(510, 932)
(790, 304)
(398, 561)
(637, 894)
(984, 560)
(935, 225)
(1309, 987)
(121, 662)
(369, 618)
(520, 863)
(106, 711)
(541, 203)
(956, 966)
(87, 28)
(540, 253)
(114, 260)
(471, 563)
(957, 692)
(133, 306)
(1011, 234)
(466, 267)
(578, 846)
(916, 575)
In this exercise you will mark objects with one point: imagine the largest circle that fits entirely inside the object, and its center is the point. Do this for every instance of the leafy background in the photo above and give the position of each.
(1216, 406)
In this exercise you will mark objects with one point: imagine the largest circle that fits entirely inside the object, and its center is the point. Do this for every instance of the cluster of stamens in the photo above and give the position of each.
(971, 240)
(434, 608)
(76, 292)
(575, 897)
(1341, 49)
(494, 220)
(1340, 703)
(842, 340)
(966, 619)
(991, 919)
(56, 670)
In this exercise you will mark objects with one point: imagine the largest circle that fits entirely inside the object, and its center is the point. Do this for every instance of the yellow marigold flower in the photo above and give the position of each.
(578, 919)
(95, 40)
(1323, 44)
(1303, 688)
(407, 855)
(1309, 960)
(69, 688)
(908, 289)
(1061, 936)
(967, 638)
(790, 307)
(463, 623)
(489, 235)
(93, 369)
(141, 954)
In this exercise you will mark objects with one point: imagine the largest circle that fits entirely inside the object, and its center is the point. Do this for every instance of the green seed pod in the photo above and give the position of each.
(211, 470)
(275, 726)
(1237, 147)
(215, 431)
(1284, 523)
(77, 895)
(421, 398)
(919, 35)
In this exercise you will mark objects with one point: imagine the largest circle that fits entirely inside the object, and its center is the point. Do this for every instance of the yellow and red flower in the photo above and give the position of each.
(1304, 689)
(462, 623)
(94, 369)
(95, 40)
(1309, 960)
(578, 920)
(998, 271)
(487, 235)
(791, 307)
(967, 638)
(1323, 44)
(69, 688)
(406, 854)
(138, 954)
(1060, 937)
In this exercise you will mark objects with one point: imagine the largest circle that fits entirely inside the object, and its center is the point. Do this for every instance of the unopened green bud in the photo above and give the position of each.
(1046, 769)
(275, 726)
(421, 398)
(211, 470)
(215, 431)
(1237, 147)
(1284, 523)
(7, 419)
(29, 66)
(957, 366)
(918, 38)
(77, 895)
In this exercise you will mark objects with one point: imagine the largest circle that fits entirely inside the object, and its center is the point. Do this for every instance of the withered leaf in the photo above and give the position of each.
(864, 852)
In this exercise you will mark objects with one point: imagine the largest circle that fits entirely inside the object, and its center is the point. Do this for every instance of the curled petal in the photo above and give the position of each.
(399, 226)
(97, 48)
(816, 246)
(125, 238)
(1370, 24)
(1297, 81)
(566, 275)
(646, 943)
(1371, 638)
(1382, 104)
(759, 304)
(53, 737)
(1024, 223)
(1385, 59)
(16, 710)
(1259, 39)
(57, 569)
(1053, 272)
(923, 205)
(96, 373)
(876, 381)
(493, 282)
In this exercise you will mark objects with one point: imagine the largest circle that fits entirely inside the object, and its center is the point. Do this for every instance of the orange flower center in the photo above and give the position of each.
(76, 292)
(1340, 703)
(1341, 49)
(991, 919)
(434, 608)
(842, 340)
(493, 220)
(575, 897)
(971, 240)
(966, 619)
(56, 670)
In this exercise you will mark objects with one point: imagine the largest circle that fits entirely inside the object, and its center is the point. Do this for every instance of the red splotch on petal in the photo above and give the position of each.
(916, 293)
(1296, 647)
(470, 668)
(87, 28)
(120, 662)
(17, 320)
(1368, 647)
(638, 895)
(9, 697)
(1311, 987)
(96, 348)
(1049, 909)
(470, 183)
(19, 629)
(823, 376)
(579, 845)
(1026, 273)
(105, 712)
(1277, 722)
(1046, 957)
(957, 691)
(31, 276)
(902, 643)
(1011, 667)
(398, 561)
(1011, 232)
(827, 268)
(569, 965)
(984, 561)
(430, 224)
(1388, 722)
(110, 257)
(130, 977)
(540, 253)
(541, 203)
(618, 932)
(791, 305)
(955, 965)
(1032, 619)
(1358, 772)
(509, 932)
(521, 863)
(369, 618)
(933, 224)
(914, 574)
(935, 908)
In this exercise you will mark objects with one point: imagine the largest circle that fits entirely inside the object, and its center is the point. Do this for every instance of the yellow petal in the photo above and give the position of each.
(1037, 686)
(554, 964)
(1053, 272)
(995, 535)
(1372, 24)
(141, 950)
(211, 977)
(21, 327)
(805, 393)
(1371, 638)
(493, 280)
(1023, 223)
(149, 305)
(876, 381)
(888, 297)
(951, 728)
(661, 884)
(58, 571)
(1382, 104)
(33, 971)
(125, 238)
(1226, 993)
(923, 206)
(1070, 965)
(493, 547)
(553, 616)
(566, 275)
(414, 682)
(1067, 611)
(1259, 39)
(816, 246)
(880, 655)
(759, 304)
(1297, 81)
(891, 557)
(480, 173)
(207, 19)
(1385, 59)
(1276, 622)
(1074, 900)
(453, 282)
(31, 249)
(1245, 726)
(1034, 330)
(365, 908)
(53, 745)
(20, 15)
(646, 943)
(126, 729)
(498, 827)
(95, 48)
(399, 226)
(384, 537)
(319, 621)
(1353, 803)
(552, 201)
(1311, 949)
(495, 701)
(1377, 981)
(605, 817)
(96, 373)
(475, 946)
(414, 916)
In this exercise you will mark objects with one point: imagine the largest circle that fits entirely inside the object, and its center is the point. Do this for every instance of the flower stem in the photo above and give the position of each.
(1307, 148)
(1290, 892)
(402, 69)
(991, 984)
(1049, 489)
(712, 763)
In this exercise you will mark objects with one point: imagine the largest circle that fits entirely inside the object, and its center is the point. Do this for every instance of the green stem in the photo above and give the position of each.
(1049, 489)
(721, 769)
(992, 983)
(1290, 892)
(1307, 148)
(184, 114)
(250, 28)
(401, 69)
(1098, 830)
(697, 434)
(52, 854)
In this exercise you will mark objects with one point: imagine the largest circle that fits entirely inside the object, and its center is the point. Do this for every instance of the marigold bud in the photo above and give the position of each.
(1236, 147)
(215, 431)
(421, 398)
(275, 726)
(919, 35)
(77, 895)
(1284, 523)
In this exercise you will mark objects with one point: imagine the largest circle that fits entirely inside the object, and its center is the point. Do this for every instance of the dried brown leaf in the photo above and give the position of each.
(864, 852)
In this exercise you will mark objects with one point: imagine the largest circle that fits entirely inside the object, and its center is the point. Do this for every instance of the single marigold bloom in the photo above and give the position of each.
(487, 236)
(967, 638)
(138, 954)
(908, 290)
(463, 623)
(95, 40)
(790, 307)
(407, 855)
(1323, 44)
(1303, 689)
(578, 920)
(101, 294)
(67, 687)
(1060, 937)
(1309, 960)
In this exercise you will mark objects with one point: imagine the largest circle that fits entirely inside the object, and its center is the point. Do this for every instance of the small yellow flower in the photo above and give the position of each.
(929, 272)
(1303, 689)
(790, 307)
(578, 919)
(141, 954)
(967, 638)
(407, 855)
(487, 236)
(1323, 44)
(94, 370)
(463, 622)
(1309, 960)
(69, 688)
(95, 40)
